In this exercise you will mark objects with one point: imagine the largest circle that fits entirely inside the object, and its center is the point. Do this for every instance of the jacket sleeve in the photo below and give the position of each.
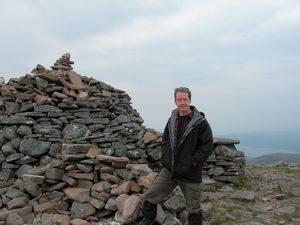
(165, 138)
(205, 142)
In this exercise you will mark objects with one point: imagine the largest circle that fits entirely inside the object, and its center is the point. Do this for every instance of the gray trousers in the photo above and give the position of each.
(163, 185)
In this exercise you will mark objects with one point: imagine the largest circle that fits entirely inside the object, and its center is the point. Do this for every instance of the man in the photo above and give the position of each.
(187, 143)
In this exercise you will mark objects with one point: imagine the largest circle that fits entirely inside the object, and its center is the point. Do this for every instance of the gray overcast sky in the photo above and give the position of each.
(239, 58)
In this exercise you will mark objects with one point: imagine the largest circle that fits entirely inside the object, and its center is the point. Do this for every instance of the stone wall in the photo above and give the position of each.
(74, 149)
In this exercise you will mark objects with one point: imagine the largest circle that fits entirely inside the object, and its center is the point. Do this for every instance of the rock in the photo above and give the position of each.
(10, 132)
(19, 120)
(244, 195)
(120, 201)
(111, 204)
(79, 222)
(34, 147)
(216, 171)
(72, 131)
(146, 181)
(21, 212)
(131, 208)
(171, 220)
(93, 152)
(295, 191)
(6, 174)
(55, 219)
(281, 196)
(264, 217)
(123, 188)
(225, 141)
(78, 194)
(55, 173)
(98, 204)
(286, 210)
(285, 187)
(102, 196)
(241, 213)
(18, 202)
(50, 207)
(139, 169)
(8, 149)
(14, 157)
(14, 219)
(14, 193)
(124, 174)
(2, 139)
(225, 151)
(215, 196)
(2, 157)
(149, 136)
(108, 223)
(87, 176)
(102, 186)
(160, 215)
(206, 209)
(108, 158)
(68, 148)
(26, 159)
(250, 223)
(175, 204)
(110, 178)
(40, 100)
(155, 154)
(81, 210)
(86, 168)
(34, 178)
(41, 83)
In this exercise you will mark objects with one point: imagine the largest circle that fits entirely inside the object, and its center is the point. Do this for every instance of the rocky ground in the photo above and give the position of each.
(267, 195)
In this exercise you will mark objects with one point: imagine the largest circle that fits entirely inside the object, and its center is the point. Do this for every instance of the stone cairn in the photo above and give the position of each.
(74, 151)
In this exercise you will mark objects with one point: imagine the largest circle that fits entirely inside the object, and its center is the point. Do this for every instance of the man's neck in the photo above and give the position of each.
(185, 113)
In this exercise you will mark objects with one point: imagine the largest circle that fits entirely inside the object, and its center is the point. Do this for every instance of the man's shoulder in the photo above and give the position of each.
(198, 114)
(202, 114)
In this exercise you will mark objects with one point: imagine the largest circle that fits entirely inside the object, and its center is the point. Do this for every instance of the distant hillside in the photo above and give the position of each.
(275, 157)
(260, 143)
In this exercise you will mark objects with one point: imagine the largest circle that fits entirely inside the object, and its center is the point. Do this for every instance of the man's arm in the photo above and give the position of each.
(205, 144)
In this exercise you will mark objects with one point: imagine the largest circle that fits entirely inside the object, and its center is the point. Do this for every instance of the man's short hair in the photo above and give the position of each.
(184, 90)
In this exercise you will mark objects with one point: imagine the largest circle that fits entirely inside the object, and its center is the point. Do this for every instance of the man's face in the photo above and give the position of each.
(182, 102)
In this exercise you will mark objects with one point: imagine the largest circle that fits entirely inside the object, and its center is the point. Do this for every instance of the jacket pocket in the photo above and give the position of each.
(182, 168)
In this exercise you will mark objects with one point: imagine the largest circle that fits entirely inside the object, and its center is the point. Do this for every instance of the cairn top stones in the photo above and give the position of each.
(63, 63)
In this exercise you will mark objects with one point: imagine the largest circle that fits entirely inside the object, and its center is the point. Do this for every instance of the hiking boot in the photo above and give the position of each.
(195, 219)
(146, 221)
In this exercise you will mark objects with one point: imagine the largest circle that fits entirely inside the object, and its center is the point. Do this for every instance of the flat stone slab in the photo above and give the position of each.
(225, 141)
(34, 178)
(12, 120)
(109, 158)
(22, 212)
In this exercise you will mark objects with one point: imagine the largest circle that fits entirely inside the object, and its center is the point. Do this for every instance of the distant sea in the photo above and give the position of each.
(253, 152)
(261, 143)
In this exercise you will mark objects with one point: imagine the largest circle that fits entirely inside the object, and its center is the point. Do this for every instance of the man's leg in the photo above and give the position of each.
(192, 194)
(160, 189)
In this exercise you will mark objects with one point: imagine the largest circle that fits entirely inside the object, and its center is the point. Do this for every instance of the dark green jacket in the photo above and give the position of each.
(195, 147)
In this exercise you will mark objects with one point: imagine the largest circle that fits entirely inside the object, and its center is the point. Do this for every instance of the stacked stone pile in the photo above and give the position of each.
(74, 150)
(226, 163)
